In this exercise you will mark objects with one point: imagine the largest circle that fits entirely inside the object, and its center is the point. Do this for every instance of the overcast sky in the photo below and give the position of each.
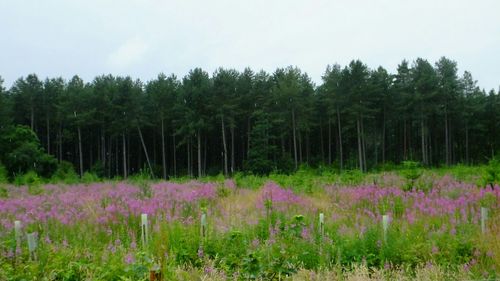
(142, 38)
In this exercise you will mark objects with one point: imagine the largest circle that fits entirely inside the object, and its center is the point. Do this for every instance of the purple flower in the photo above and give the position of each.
(129, 258)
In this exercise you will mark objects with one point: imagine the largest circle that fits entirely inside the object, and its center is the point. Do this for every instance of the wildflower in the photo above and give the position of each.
(129, 258)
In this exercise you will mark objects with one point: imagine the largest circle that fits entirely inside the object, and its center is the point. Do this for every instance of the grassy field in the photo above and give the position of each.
(257, 228)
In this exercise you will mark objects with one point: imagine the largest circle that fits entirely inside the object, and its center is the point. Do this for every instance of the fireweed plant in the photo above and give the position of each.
(257, 228)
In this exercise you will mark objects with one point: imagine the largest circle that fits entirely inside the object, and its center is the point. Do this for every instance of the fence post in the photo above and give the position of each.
(32, 245)
(17, 232)
(144, 229)
(385, 226)
(322, 224)
(484, 218)
(203, 225)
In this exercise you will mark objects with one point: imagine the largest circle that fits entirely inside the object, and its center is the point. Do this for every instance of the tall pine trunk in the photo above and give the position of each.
(48, 134)
(80, 150)
(329, 141)
(294, 139)
(188, 147)
(424, 158)
(363, 142)
(447, 141)
(124, 155)
(233, 161)
(360, 153)
(145, 150)
(383, 139)
(175, 155)
(163, 154)
(224, 145)
(321, 141)
(199, 153)
(467, 143)
(341, 157)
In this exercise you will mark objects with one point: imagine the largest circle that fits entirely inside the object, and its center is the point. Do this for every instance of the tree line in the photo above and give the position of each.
(357, 118)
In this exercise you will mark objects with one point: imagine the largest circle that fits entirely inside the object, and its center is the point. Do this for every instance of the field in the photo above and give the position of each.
(440, 226)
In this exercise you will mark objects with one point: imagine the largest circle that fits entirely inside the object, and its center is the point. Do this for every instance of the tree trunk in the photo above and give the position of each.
(383, 140)
(360, 153)
(233, 161)
(405, 155)
(447, 142)
(204, 170)
(103, 147)
(294, 140)
(424, 158)
(248, 134)
(329, 142)
(163, 156)
(124, 153)
(467, 143)
(80, 150)
(175, 155)
(188, 146)
(363, 143)
(48, 134)
(224, 145)
(340, 140)
(60, 143)
(300, 146)
(307, 148)
(199, 153)
(145, 150)
(321, 142)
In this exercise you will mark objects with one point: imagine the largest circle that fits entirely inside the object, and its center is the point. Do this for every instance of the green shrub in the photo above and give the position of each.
(89, 177)
(491, 173)
(30, 178)
(411, 172)
(65, 173)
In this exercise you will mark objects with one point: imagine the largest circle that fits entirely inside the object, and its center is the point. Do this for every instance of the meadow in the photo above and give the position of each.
(403, 224)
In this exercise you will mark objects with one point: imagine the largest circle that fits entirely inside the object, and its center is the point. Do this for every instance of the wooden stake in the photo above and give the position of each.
(385, 225)
(322, 224)
(144, 229)
(203, 226)
(17, 232)
(32, 245)
(484, 218)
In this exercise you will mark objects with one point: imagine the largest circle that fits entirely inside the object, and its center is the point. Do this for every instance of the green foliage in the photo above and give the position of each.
(20, 152)
(491, 173)
(30, 179)
(65, 173)
(411, 171)
(89, 177)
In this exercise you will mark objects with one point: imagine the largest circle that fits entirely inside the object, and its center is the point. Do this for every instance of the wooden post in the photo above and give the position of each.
(322, 224)
(385, 226)
(144, 229)
(17, 232)
(484, 218)
(32, 245)
(203, 226)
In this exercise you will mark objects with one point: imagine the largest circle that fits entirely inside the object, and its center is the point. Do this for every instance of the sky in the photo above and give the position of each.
(142, 38)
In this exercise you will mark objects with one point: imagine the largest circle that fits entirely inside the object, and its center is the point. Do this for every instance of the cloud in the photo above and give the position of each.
(128, 54)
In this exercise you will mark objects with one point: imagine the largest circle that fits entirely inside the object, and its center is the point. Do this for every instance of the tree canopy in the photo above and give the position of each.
(357, 118)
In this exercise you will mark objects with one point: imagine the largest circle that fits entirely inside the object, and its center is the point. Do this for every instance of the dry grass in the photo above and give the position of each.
(358, 273)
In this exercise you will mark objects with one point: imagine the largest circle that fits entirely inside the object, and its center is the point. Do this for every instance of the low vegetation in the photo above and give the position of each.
(257, 227)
